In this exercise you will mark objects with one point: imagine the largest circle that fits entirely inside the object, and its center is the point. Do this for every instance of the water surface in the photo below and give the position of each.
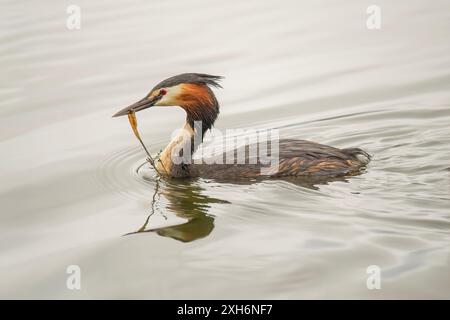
(76, 190)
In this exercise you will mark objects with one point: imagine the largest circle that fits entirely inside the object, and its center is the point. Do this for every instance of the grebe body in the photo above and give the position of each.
(296, 158)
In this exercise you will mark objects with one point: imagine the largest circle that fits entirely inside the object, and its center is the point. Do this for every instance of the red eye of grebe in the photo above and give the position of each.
(162, 91)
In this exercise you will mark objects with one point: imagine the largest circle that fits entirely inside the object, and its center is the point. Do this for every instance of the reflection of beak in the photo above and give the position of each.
(138, 106)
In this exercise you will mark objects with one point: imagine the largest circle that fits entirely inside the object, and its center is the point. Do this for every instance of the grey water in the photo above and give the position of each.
(75, 188)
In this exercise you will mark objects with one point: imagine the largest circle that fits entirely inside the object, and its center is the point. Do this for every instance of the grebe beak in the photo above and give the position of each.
(138, 106)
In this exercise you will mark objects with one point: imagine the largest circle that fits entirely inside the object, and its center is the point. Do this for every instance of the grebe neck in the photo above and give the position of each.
(176, 157)
(201, 113)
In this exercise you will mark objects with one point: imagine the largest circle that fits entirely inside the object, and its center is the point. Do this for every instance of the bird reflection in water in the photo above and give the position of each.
(187, 200)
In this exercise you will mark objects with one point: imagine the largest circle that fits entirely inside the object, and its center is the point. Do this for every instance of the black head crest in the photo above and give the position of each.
(195, 78)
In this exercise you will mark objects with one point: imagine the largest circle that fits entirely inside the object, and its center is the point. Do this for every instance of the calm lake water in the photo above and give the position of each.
(74, 180)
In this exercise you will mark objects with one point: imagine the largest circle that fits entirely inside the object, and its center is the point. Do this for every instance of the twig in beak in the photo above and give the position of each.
(133, 122)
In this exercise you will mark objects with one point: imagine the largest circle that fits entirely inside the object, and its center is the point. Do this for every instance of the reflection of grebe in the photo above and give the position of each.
(185, 199)
(299, 158)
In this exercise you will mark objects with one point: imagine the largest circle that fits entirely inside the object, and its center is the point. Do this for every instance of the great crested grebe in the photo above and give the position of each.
(296, 158)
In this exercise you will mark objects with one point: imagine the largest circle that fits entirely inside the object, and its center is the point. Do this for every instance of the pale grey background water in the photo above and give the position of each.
(70, 185)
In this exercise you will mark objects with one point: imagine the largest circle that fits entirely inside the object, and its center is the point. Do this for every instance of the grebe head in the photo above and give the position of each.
(191, 91)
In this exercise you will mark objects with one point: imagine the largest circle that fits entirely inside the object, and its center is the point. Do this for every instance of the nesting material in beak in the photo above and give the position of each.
(133, 122)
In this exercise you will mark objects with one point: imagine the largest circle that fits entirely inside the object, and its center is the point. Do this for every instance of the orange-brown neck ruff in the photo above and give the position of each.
(200, 104)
